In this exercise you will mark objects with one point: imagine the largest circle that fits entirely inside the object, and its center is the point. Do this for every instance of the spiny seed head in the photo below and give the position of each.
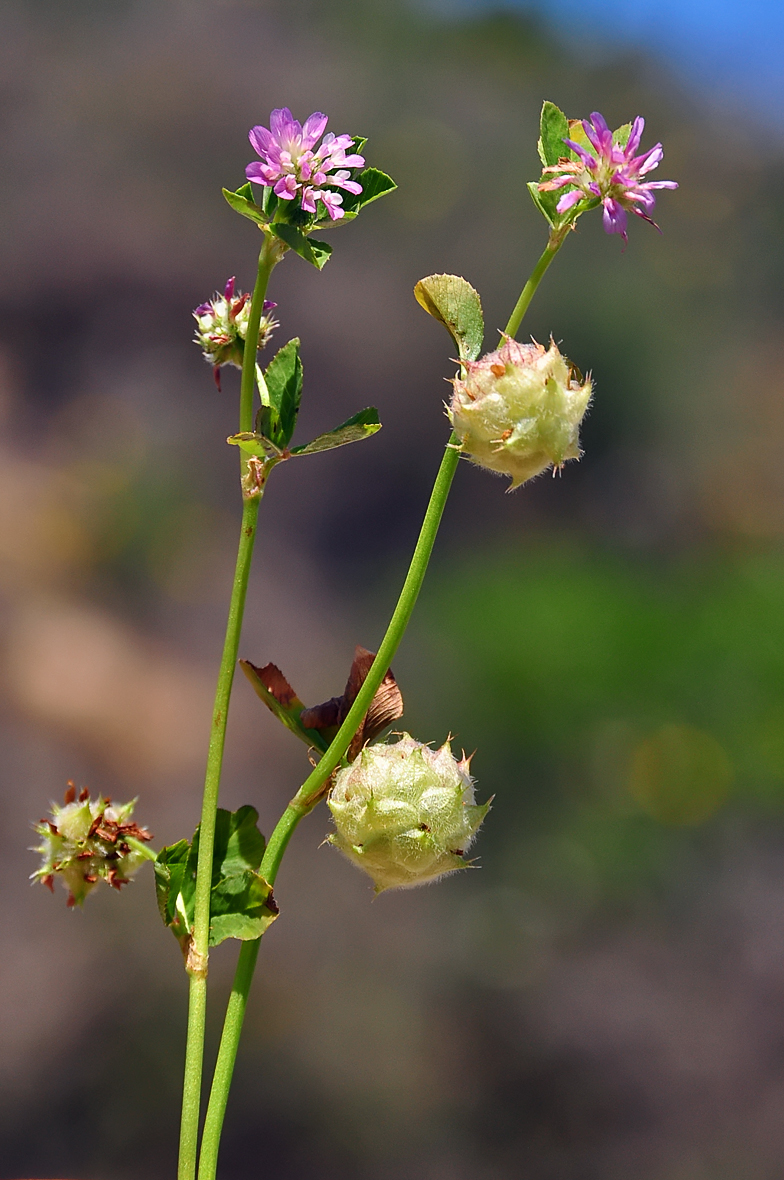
(518, 410)
(404, 813)
(87, 841)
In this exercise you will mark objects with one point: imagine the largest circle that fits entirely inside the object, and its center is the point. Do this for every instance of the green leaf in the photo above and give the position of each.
(283, 377)
(269, 201)
(174, 885)
(545, 202)
(621, 135)
(255, 444)
(241, 903)
(271, 686)
(454, 303)
(315, 252)
(361, 425)
(577, 135)
(374, 183)
(553, 127)
(241, 203)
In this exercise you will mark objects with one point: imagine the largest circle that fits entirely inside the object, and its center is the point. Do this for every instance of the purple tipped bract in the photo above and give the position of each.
(295, 171)
(610, 172)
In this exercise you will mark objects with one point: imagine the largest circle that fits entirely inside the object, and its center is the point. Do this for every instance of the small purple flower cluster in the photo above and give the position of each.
(222, 326)
(294, 170)
(613, 174)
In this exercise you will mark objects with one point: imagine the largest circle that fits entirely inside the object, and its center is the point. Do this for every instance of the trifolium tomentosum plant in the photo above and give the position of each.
(403, 810)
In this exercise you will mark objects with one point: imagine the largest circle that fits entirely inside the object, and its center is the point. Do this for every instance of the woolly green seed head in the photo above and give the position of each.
(518, 410)
(405, 813)
(87, 841)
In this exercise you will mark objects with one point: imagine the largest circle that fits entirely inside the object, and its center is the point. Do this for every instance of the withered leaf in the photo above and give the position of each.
(278, 685)
(274, 689)
(386, 706)
(318, 725)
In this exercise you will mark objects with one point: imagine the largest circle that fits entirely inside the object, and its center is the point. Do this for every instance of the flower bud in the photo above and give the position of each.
(518, 410)
(405, 813)
(222, 325)
(88, 840)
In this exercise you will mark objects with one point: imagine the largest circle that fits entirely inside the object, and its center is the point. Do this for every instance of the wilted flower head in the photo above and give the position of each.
(87, 841)
(405, 813)
(607, 170)
(222, 325)
(518, 410)
(295, 171)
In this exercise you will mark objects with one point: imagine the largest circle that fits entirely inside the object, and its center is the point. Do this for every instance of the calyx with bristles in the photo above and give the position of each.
(404, 813)
(518, 410)
(87, 841)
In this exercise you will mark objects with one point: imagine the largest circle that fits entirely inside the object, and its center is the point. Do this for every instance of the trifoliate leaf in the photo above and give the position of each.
(241, 902)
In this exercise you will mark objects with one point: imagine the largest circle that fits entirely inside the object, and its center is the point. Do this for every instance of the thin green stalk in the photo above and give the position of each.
(313, 788)
(199, 950)
(309, 794)
(268, 257)
(526, 295)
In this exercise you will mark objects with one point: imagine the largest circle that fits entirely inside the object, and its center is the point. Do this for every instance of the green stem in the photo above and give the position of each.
(313, 788)
(268, 257)
(198, 952)
(137, 846)
(309, 794)
(557, 240)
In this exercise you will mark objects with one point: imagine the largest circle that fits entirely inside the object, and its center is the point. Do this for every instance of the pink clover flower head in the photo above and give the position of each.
(222, 326)
(296, 169)
(610, 172)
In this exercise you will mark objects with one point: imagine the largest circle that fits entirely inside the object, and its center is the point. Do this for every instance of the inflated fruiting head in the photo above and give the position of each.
(405, 813)
(87, 841)
(518, 410)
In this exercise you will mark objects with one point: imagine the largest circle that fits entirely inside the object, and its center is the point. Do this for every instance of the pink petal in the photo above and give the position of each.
(585, 156)
(259, 173)
(650, 160)
(283, 125)
(313, 129)
(568, 200)
(635, 135)
(261, 140)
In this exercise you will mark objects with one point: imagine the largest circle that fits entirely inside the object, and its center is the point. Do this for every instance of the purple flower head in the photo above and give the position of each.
(610, 172)
(296, 169)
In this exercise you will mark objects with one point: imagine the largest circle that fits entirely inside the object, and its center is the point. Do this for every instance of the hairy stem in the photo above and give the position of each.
(557, 240)
(199, 950)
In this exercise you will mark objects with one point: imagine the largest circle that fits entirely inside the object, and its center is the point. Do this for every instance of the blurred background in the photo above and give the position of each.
(605, 998)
